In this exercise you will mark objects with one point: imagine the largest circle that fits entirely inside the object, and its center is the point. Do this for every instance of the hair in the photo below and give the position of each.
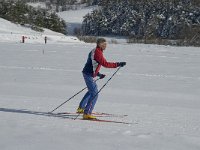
(100, 40)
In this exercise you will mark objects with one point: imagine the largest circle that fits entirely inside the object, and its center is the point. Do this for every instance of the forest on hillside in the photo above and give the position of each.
(23, 14)
(146, 20)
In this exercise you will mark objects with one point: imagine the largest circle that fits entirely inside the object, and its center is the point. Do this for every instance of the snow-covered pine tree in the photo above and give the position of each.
(168, 19)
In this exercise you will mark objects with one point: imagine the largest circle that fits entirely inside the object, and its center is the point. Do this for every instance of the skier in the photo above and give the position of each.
(90, 71)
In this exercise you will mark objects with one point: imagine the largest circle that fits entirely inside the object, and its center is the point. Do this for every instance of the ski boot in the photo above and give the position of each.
(80, 110)
(89, 117)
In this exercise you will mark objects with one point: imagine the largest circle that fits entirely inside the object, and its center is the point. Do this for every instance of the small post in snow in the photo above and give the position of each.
(23, 39)
(45, 40)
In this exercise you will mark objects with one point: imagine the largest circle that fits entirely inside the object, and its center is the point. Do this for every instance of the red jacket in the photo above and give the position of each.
(95, 61)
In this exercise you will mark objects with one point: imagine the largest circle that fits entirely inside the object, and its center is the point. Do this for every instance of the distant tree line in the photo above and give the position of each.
(21, 13)
(144, 19)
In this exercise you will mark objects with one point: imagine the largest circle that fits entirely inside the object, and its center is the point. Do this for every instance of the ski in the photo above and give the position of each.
(107, 121)
(72, 116)
(95, 114)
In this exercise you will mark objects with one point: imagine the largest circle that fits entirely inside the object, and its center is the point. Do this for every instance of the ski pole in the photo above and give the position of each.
(101, 89)
(71, 98)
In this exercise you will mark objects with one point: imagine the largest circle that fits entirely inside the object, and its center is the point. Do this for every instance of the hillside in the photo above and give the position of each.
(21, 13)
(10, 32)
(74, 18)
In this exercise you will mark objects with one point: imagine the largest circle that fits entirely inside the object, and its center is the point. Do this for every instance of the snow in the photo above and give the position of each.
(159, 90)
(38, 5)
(14, 32)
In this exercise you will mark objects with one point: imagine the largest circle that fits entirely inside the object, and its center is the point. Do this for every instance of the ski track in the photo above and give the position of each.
(71, 70)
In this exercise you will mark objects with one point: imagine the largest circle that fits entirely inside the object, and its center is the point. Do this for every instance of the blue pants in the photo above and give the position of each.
(89, 100)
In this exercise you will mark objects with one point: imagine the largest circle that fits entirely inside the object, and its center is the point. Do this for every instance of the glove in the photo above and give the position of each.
(101, 76)
(121, 64)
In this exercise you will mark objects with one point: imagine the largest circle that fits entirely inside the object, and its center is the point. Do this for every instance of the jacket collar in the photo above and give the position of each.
(99, 48)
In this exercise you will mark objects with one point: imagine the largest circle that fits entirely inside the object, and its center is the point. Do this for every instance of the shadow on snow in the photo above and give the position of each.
(29, 112)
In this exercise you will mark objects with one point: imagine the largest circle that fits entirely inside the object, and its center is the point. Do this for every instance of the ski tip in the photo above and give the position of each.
(108, 121)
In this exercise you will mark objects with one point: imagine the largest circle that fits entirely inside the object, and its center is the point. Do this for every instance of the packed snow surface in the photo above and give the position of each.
(159, 90)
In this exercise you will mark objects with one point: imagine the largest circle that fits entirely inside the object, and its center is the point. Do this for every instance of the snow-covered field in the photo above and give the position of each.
(159, 90)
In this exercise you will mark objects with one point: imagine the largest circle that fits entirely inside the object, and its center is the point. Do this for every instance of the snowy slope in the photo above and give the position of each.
(13, 32)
